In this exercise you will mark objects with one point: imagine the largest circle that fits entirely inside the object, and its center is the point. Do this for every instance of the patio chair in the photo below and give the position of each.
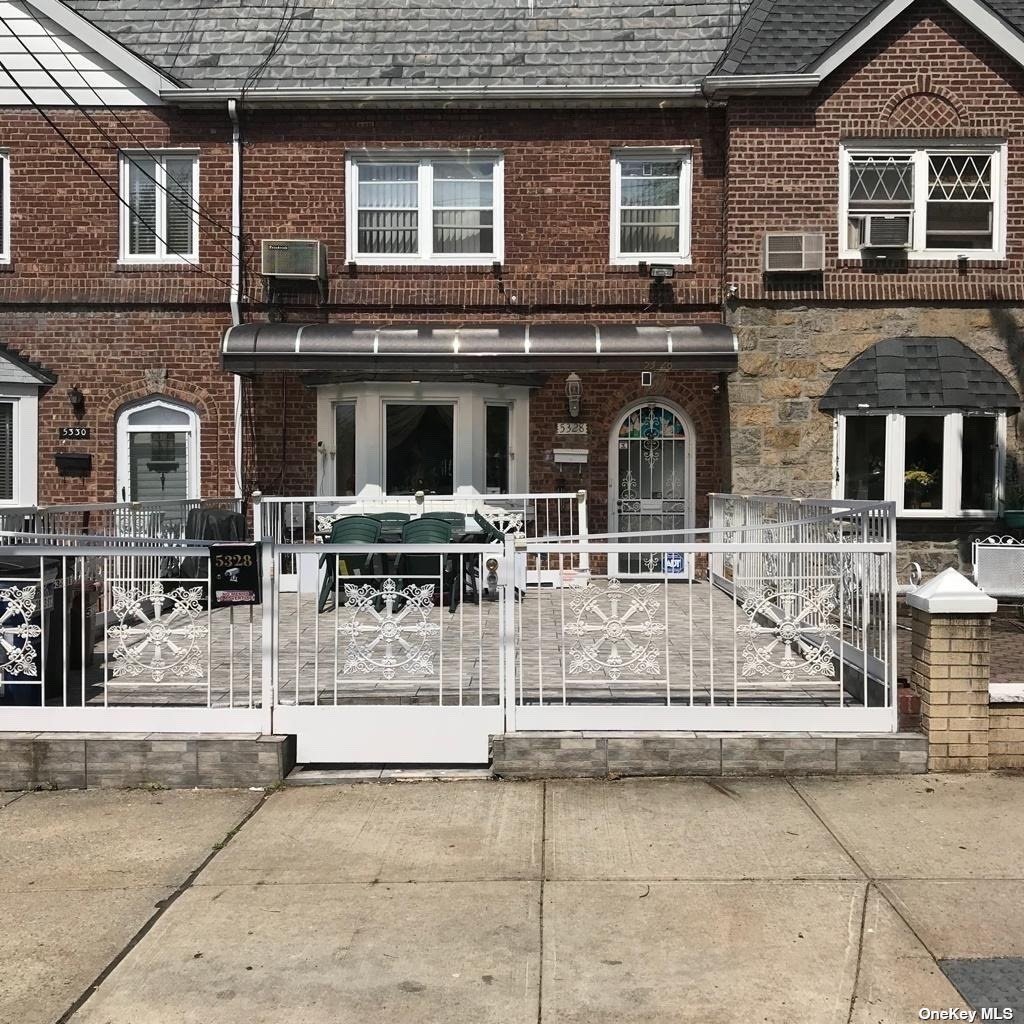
(350, 530)
(390, 522)
(426, 530)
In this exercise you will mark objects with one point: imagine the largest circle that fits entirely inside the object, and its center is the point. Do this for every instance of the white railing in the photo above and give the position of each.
(120, 637)
(307, 520)
(998, 562)
(150, 520)
(779, 617)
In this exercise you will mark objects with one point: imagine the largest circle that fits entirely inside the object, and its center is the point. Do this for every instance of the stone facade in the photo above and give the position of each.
(789, 354)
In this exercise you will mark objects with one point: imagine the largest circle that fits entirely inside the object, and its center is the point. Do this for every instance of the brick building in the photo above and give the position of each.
(499, 199)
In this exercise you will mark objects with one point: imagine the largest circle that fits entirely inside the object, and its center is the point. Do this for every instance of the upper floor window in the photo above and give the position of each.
(5, 207)
(650, 206)
(938, 201)
(159, 215)
(415, 208)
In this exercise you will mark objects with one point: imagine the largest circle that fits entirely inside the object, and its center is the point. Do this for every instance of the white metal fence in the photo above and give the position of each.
(783, 620)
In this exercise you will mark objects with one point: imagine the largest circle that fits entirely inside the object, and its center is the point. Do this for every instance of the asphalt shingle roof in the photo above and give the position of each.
(376, 43)
(919, 373)
(787, 36)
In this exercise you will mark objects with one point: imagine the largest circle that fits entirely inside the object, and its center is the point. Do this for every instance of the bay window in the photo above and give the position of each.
(942, 200)
(929, 463)
(650, 206)
(414, 208)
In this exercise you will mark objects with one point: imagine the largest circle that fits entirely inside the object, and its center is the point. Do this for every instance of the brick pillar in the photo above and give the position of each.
(950, 670)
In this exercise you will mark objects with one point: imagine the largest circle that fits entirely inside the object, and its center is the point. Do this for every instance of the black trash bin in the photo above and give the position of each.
(30, 614)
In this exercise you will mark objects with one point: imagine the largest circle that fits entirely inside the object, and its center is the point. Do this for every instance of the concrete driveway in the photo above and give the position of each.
(818, 901)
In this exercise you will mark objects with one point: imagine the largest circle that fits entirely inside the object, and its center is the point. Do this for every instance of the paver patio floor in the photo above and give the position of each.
(639, 901)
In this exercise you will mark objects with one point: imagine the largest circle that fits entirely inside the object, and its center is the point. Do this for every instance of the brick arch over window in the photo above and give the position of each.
(925, 107)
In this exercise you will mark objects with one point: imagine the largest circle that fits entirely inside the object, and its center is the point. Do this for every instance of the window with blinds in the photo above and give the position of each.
(444, 209)
(159, 215)
(6, 451)
(650, 205)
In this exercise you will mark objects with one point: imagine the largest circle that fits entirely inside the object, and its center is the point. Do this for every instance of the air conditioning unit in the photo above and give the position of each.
(299, 258)
(887, 230)
(791, 252)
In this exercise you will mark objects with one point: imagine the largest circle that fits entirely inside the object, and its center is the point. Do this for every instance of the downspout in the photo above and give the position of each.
(236, 274)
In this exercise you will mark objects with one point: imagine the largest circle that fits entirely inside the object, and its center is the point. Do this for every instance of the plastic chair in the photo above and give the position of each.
(425, 530)
(391, 522)
(350, 530)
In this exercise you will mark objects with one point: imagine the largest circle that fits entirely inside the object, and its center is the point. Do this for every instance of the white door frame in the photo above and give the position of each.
(613, 470)
(126, 428)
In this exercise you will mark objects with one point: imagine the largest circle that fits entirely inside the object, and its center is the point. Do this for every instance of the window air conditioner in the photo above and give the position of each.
(793, 252)
(298, 258)
(887, 230)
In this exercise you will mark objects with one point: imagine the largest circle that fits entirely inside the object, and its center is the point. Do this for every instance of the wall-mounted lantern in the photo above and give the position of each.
(573, 394)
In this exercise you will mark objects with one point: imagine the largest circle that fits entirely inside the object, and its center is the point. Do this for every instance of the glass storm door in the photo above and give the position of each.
(650, 474)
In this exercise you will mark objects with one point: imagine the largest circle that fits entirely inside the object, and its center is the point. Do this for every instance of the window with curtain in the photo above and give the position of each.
(6, 451)
(160, 221)
(650, 205)
(404, 208)
(419, 448)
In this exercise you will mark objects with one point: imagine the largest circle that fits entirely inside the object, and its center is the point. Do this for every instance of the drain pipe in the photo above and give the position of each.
(236, 274)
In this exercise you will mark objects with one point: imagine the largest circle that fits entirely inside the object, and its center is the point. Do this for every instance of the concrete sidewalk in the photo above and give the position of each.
(818, 901)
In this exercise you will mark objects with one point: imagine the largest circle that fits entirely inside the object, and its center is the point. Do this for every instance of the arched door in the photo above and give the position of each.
(157, 451)
(651, 483)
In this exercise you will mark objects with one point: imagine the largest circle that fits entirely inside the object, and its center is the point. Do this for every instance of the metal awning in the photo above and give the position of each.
(476, 349)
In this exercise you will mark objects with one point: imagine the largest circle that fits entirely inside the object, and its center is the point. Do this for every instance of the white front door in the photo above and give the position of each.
(157, 452)
(651, 485)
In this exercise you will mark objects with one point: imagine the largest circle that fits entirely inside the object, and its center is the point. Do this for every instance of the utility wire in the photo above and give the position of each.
(49, 74)
(99, 174)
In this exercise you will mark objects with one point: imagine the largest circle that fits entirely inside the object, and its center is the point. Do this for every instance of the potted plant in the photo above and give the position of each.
(919, 485)
(1013, 497)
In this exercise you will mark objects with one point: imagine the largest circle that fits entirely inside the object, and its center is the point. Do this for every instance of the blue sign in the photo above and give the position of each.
(673, 561)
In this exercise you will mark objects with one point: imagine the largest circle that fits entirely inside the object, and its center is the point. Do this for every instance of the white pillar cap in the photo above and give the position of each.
(951, 593)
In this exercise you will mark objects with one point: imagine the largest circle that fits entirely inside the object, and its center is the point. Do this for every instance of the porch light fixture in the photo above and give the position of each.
(76, 399)
(573, 394)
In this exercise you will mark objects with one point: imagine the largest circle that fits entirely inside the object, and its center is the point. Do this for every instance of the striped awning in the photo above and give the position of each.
(477, 348)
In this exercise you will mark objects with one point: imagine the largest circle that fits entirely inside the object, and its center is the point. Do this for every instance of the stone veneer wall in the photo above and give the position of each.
(789, 353)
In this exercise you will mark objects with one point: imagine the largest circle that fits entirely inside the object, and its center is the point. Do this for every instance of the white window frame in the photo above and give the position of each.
(161, 255)
(25, 434)
(5, 207)
(920, 151)
(425, 160)
(470, 401)
(126, 428)
(952, 462)
(685, 156)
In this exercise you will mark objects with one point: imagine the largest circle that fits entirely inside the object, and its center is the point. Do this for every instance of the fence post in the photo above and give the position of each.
(268, 635)
(582, 526)
(508, 635)
(950, 670)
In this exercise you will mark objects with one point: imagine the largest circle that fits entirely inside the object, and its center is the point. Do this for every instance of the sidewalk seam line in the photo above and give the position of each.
(540, 909)
(164, 906)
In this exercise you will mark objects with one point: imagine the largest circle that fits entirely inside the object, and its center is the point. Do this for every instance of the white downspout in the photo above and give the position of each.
(236, 273)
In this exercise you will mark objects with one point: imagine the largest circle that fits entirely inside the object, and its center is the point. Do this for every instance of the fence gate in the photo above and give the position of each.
(396, 658)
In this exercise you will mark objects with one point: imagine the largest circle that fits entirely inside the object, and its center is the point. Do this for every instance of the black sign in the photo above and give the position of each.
(73, 433)
(235, 572)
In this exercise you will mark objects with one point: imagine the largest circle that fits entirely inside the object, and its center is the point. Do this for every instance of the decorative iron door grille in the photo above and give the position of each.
(651, 487)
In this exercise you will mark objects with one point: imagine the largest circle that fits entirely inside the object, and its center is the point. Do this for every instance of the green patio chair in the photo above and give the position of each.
(391, 522)
(425, 530)
(350, 530)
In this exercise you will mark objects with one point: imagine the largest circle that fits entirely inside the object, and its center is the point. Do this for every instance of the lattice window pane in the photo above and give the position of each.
(960, 178)
(882, 180)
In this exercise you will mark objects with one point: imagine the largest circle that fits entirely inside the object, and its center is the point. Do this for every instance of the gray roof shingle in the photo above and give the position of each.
(787, 36)
(210, 44)
(919, 373)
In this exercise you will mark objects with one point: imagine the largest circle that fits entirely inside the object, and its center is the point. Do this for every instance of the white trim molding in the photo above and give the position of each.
(424, 160)
(5, 206)
(24, 400)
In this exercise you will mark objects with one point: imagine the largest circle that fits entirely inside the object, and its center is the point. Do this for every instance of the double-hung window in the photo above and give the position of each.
(413, 208)
(650, 206)
(5, 207)
(928, 463)
(935, 201)
(159, 209)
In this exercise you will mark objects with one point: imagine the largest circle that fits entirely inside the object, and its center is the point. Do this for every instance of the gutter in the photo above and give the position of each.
(236, 276)
(750, 85)
(433, 94)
